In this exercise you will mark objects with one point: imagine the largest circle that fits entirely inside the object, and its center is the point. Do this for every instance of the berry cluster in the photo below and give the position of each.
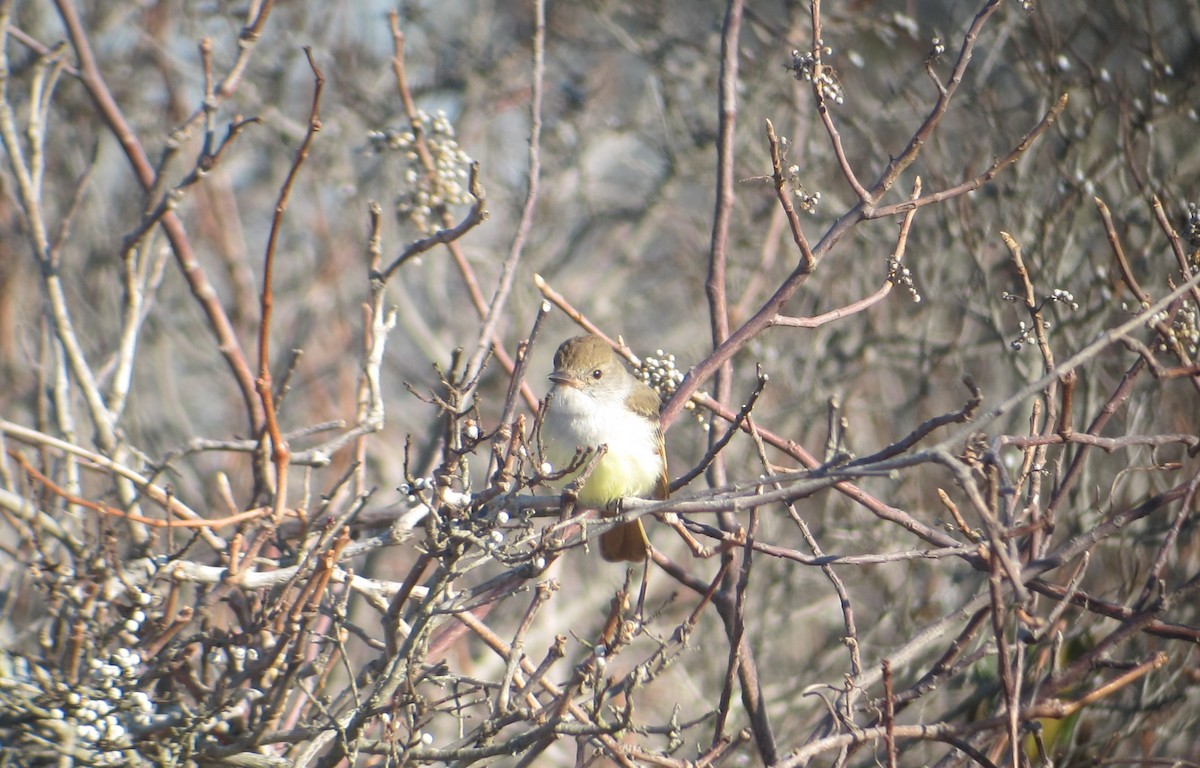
(1191, 231)
(804, 199)
(658, 371)
(808, 67)
(429, 190)
(100, 710)
(1026, 333)
(901, 277)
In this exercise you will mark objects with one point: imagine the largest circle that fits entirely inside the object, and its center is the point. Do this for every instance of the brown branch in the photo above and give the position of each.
(833, 315)
(796, 556)
(516, 652)
(203, 291)
(872, 503)
(1167, 548)
(1048, 422)
(504, 650)
(560, 301)
(808, 261)
(715, 283)
(448, 235)
(742, 420)
(1034, 308)
(738, 339)
(865, 303)
(1088, 352)
(735, 628)
(950, 662)
(1181, 257)
(961, 416)
(1092, 604)
(850, 639)
(1114, 241)
(1057, 708)
(820, 72)
(1162, 325)
(508, 269)
(35, 45)
(470, 281)
(703, 370)
(189, 521)
(953, 732)
(978, 181)
(280, 453)
(1185, 269)
(504, 430)
(1106, 444)
(889, 714)
(205, 163)
(897, 165)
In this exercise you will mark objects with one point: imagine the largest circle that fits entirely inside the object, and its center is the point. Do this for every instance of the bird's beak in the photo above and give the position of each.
(565, 379)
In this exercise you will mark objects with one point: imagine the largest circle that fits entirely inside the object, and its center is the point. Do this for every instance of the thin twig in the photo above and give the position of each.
(820, 72)
(999, 165)
(718, 256)
(719, 445)
(470, 281)
(898, 163)
(280, 454)
(476, 215)
(808, 261)
(508, 269)
(206, 296)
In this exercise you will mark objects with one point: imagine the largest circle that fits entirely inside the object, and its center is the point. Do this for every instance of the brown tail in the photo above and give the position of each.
(626, 541)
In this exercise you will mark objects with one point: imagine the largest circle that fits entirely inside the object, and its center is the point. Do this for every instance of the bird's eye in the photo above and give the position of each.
(597, 374)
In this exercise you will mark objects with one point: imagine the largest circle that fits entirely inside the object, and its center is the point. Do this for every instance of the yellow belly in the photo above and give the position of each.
(617, 476)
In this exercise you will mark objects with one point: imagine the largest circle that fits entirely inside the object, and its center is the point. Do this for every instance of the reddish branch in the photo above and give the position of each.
(718, 257)
(460, 260)
(864, 209)
(203, 290)
(187, 521)
(266, 392)
(954, 732)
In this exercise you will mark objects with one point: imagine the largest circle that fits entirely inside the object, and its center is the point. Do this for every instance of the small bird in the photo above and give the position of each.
(596, 401)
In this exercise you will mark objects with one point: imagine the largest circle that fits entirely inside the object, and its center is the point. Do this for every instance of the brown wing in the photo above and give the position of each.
(663, 489)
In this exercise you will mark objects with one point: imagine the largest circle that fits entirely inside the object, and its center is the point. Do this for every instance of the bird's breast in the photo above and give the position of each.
(632, 463)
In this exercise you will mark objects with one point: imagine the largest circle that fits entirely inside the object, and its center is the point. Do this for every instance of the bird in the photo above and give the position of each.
(595, 401)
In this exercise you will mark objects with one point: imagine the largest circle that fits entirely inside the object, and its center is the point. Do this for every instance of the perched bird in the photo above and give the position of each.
(596, 401)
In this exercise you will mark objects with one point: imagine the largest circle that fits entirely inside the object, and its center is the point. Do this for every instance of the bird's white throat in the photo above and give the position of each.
(631, 464)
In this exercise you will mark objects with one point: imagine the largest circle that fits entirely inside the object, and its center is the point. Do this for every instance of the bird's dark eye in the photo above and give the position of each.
(597, 374)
